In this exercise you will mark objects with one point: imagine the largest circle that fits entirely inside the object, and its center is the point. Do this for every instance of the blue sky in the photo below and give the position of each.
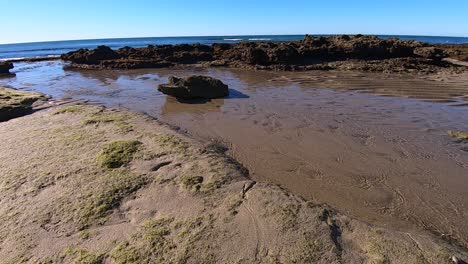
(41, 20)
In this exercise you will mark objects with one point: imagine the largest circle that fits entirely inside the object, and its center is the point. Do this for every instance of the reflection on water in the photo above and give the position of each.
(173, 106)
(50, 78)
(383, 159)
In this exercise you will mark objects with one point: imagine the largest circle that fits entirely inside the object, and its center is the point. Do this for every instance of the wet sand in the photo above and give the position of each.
(327, 136)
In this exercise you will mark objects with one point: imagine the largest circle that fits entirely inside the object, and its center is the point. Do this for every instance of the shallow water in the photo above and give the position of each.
(327, 136)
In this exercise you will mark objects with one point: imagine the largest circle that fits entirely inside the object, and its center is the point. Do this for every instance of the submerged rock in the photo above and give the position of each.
(195, 86)
(5, 67)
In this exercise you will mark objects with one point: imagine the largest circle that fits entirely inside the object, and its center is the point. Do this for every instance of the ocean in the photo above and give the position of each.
(55, 48)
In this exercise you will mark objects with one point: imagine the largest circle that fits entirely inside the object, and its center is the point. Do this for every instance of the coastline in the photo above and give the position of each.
(383, 189)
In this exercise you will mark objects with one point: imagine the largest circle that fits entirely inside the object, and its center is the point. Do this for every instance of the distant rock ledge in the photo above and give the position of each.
(366, 53)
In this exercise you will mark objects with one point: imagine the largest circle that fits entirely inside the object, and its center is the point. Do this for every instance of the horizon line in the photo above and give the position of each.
(233, 35)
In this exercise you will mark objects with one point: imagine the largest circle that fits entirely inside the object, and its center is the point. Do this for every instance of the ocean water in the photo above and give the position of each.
(55, 48)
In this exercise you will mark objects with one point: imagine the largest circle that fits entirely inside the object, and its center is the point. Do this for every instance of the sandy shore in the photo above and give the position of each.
(86, 184)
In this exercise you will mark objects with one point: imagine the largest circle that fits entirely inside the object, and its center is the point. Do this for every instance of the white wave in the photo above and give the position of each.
(8, 59)
(232, 39)
(260, 39)
(25, 58)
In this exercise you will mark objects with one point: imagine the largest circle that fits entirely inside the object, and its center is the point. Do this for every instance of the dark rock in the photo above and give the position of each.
(134, 64)
(345, 37)
(283, 54)
(95, 56)
(220, 47)
(5, 67)
(309, 53)
(455, 51)
(188, 57)
(126, 51)
(308, 38)
(194, 87)
(14, 103)
(430, 53)
(255, 56)
(14, 111)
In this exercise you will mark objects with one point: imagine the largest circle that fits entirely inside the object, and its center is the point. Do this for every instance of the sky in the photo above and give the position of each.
(47, 20)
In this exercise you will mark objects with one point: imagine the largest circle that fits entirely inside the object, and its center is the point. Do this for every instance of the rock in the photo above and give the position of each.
(194, 87)
(432, 53)
(85, 56)
(13, 111)
(255, 56)
(187, 57)
(283, 54)
(134, 64)
(218, 63)
(455, 51)
(14, 103)
(294, 55)
(5, 67)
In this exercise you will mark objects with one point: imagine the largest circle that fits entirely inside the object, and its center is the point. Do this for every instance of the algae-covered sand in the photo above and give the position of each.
(15, 103)
(85, 184)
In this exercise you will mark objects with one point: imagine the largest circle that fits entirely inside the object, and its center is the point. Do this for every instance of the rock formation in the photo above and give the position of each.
(311, 53)
(194, 87)
(5, 67)
(101, 53)
(15, 103)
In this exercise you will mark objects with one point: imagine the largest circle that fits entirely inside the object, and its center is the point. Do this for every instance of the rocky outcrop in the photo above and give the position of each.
(96, 56)
(430, 53)
(309, 53)
(455, 51)
(194, 87)
(5, 67)
(15, 103)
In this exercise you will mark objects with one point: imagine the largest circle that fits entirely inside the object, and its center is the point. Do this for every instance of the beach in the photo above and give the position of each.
(373, 146)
